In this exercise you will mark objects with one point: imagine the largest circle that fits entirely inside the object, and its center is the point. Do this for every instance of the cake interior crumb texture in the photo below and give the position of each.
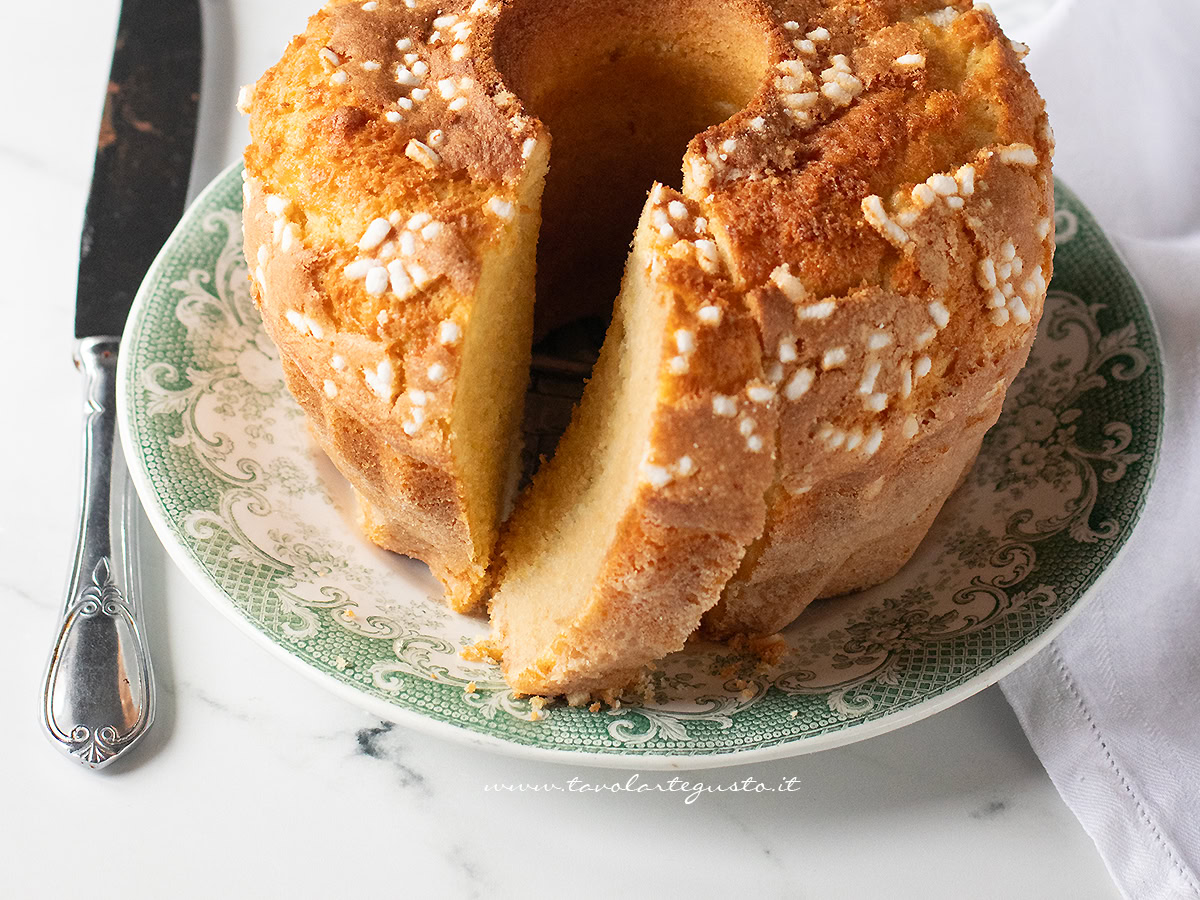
(489, 399)
(561, 535)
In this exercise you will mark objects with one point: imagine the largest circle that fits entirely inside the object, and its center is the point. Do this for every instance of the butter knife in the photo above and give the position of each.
(98, 693)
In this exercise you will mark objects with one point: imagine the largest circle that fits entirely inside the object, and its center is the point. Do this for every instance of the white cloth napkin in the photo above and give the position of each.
(1112, 707)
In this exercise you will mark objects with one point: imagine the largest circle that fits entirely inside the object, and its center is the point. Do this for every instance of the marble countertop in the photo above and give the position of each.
(256, 783)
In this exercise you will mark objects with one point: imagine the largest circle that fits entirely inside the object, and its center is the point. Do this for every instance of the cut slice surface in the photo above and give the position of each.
(628, 534)
(490, 388)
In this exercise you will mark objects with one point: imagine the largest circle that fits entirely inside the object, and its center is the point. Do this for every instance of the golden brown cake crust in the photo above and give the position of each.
(347, 137)
(912, 214)
(409, 501)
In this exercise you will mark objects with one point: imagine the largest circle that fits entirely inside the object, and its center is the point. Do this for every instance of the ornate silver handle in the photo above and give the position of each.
(98, 696)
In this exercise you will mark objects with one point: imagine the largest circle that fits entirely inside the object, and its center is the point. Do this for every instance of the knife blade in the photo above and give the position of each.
(143, 157)
(98, 691)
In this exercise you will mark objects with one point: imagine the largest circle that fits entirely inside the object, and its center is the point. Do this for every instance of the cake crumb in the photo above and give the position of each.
(470, 688)
(594, 707)
(481, 651)
(793, 713)
(769, 648)
(341, 662)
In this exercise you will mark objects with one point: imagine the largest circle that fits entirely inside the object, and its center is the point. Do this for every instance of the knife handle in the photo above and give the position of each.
(98, 694)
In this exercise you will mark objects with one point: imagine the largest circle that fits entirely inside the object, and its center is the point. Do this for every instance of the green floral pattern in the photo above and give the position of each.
(260, 519)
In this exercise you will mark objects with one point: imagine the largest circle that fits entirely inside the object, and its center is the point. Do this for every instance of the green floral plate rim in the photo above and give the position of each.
(257, 518)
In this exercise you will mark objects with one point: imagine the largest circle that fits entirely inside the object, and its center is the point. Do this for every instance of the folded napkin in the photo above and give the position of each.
(1112, 706)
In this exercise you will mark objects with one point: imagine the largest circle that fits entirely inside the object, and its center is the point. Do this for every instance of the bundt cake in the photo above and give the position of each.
(815, 327)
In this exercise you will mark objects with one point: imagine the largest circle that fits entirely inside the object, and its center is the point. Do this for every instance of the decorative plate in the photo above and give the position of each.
(259, 520)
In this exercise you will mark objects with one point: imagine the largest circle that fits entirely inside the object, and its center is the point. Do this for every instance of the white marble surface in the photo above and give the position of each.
(255, 783)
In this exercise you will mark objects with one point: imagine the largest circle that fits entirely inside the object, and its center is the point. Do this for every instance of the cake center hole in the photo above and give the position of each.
(622, 86)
